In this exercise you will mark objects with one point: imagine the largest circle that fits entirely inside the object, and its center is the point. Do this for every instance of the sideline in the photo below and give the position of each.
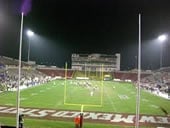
(122, 119)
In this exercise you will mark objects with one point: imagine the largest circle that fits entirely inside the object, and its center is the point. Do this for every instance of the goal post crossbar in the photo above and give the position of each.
(80, 104)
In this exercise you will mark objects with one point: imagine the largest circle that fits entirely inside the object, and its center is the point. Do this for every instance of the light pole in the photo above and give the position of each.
(162, 39)
(29, 34)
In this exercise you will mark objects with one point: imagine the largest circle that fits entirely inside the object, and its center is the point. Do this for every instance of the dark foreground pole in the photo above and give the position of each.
(81, 120)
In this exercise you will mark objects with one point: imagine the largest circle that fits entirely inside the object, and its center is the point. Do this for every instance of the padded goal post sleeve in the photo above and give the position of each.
(81, 120)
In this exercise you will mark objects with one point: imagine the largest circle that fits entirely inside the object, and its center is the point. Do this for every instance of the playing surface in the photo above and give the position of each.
(116, 97)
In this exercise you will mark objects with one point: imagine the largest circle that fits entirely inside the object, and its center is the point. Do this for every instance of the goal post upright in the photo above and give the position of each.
(83, 105)
(80, 104)
(65, 78)
(81, 116)
(102, 85)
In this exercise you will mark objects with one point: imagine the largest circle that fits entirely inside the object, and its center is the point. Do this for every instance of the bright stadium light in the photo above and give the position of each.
(29, 34)
(162, 39)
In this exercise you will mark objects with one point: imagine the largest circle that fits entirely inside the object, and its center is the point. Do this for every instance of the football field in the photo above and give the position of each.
(94, 96)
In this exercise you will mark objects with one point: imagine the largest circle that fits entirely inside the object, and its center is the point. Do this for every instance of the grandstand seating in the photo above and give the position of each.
(56, 72)
(10, 61)
(9, 68)
(127, 75)
(29, 76)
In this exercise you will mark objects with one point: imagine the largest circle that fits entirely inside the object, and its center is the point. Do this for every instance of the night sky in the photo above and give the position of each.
(63, 27)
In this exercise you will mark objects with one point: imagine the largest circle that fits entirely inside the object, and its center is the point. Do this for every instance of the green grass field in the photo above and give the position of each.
(115, 97)
(30, 123)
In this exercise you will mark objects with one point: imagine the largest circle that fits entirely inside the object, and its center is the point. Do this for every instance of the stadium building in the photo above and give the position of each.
(94, 62)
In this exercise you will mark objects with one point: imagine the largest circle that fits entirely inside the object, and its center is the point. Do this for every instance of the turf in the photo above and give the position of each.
(30, 123)
(117, 97)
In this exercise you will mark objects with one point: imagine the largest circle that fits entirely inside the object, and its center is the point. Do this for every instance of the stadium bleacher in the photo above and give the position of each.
(30, 75)
(9, 74)
(56, 72)
(126, 75)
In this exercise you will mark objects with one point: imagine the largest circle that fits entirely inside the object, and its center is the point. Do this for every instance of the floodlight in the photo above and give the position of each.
(162, 38)
(30, 33)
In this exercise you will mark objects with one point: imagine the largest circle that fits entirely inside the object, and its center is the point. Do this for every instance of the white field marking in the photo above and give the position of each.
(111, 101)
(41, 90)
(22, 99)
(132, 92)
(52, 87)
(128, 90)
(58, 103)
(145, 100)
(33, 94)
(123, 97)
(154, 106)
(9, 104)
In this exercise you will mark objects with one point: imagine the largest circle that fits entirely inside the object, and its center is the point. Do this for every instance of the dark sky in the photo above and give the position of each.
(63, 27)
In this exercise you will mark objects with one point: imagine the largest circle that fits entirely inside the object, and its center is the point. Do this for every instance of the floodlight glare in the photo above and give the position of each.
(30, 33)
(162, 38)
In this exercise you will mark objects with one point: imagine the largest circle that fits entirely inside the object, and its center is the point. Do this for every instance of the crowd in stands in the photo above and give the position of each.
(9, 75)
(157, 81)
(29, 77)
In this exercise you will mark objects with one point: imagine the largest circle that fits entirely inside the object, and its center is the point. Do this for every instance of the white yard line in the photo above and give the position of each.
(112, 103)
(33, 94)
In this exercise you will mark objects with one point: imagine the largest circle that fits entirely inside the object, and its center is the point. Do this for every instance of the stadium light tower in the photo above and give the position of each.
(162, 39)
(29, 34)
